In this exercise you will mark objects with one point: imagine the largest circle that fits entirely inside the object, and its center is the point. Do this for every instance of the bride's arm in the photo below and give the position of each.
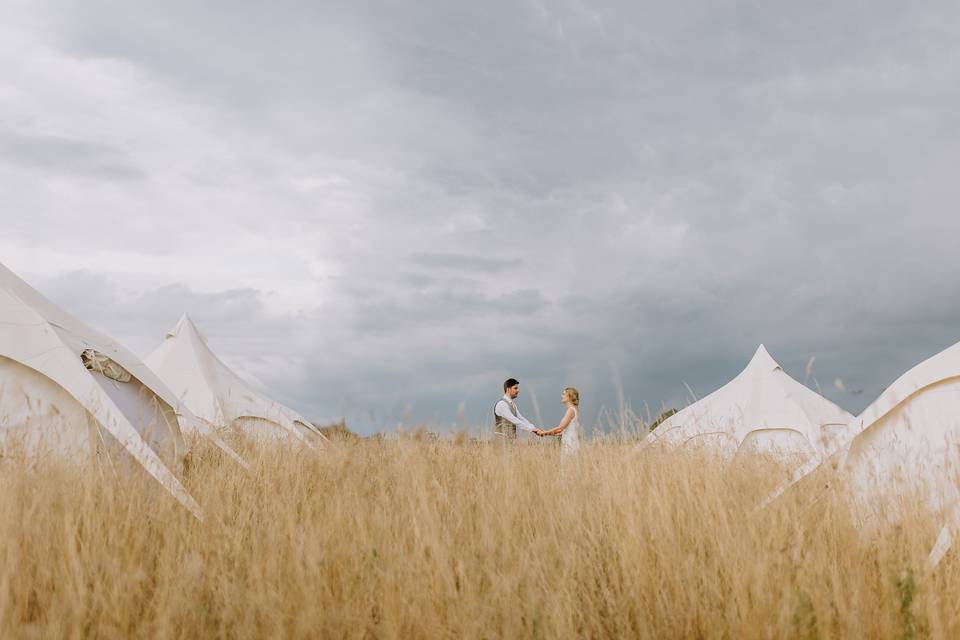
(567, 419)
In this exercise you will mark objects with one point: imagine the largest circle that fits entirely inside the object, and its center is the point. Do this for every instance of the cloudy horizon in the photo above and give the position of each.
(379, 211)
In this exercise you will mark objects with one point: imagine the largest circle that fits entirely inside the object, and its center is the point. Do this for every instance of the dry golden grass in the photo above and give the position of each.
(405, 539)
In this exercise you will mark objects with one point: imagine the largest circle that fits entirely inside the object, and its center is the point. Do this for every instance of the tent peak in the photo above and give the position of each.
(762, 356)
(763, 360)
(185, 322)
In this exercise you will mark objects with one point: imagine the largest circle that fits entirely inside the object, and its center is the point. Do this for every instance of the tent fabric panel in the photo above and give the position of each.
(261, 428)
(38, 417)
(154, 419)
(783, 443)
(915, 446)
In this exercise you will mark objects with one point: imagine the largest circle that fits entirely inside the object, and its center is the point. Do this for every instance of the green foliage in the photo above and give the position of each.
(907, 590)
(338, 431)
(661, 418)
(805, 619)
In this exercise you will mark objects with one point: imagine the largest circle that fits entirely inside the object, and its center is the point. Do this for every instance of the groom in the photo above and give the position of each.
(506, 416)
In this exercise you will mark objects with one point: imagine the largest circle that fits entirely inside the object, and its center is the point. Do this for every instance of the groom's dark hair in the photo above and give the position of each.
(511, 382)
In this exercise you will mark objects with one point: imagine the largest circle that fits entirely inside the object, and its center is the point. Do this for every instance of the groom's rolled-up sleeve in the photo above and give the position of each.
(503, 411)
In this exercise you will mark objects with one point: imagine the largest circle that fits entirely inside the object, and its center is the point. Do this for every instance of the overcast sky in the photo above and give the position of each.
(381, 210)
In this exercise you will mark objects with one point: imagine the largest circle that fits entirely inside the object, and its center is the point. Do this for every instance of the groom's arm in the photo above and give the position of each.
(503, 411)
(526, 423)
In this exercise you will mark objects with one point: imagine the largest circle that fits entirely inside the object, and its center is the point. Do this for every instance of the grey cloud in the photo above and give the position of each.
(668, 185)
(62, 154)
(465, 262)
(385, 315)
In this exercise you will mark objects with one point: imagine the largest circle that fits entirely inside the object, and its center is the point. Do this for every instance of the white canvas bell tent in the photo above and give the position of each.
(761, 410)
(216, 394)
(905, 441)
(909, 436)
(68, 390)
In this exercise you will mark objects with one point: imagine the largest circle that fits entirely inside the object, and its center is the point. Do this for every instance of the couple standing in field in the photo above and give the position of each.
(507, 418)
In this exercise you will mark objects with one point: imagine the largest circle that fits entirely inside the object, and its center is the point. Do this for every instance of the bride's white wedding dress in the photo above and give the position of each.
(570, 438)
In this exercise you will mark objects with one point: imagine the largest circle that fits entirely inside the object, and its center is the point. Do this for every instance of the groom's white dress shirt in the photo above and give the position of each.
(502, 409)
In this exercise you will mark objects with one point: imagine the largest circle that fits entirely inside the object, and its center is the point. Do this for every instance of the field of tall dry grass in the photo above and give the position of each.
(416, 539)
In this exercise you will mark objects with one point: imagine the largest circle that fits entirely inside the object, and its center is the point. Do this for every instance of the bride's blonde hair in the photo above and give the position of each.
(573, 396)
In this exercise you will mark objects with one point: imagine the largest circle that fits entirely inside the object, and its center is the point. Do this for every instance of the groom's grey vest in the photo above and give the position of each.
(502, 427)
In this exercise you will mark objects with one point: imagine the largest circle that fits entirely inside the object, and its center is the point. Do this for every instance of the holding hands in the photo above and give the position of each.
(568, 417)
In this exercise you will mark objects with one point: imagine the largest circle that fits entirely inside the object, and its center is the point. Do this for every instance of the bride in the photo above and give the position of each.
(569, 427)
